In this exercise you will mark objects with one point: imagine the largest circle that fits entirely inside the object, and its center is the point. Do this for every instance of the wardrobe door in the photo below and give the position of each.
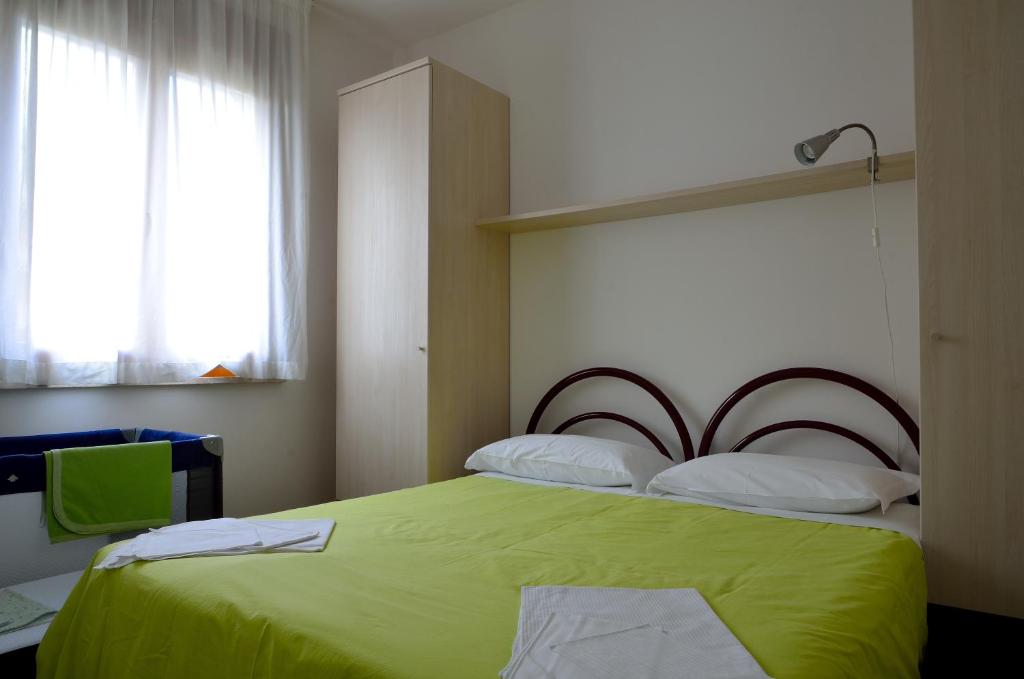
(383, 140)
(969, 62)
(469, 295)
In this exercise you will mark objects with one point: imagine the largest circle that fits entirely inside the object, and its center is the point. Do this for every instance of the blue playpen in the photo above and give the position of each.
(23, 469)
(44, 572)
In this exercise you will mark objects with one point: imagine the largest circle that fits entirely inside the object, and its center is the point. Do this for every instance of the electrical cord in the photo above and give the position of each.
(885, 301)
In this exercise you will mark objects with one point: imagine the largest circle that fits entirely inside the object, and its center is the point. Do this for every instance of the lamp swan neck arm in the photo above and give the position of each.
(873, 160)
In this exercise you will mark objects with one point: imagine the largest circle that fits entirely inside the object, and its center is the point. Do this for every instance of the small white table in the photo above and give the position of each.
(52, 592)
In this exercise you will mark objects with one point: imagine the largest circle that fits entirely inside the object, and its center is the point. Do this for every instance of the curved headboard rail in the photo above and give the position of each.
(628, 421)
(859, 439)
(845, 379)
(643, 383)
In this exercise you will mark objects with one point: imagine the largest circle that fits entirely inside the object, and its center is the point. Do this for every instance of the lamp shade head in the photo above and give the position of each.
(810, 150)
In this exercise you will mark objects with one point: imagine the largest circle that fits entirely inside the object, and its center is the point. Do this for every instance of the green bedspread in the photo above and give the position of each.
(425, 583)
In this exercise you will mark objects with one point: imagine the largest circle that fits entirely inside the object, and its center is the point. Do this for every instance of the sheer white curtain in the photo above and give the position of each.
(152, 190)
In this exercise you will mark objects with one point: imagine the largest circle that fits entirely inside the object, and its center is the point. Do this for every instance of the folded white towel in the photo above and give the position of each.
(323, 527)
(221, 537)
(540, 658)
(700, 649)
(613, 633)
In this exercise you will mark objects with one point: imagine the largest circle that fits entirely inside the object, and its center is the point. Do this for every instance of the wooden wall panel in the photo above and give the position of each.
(969, 62)
(382, 285)
(469, 293)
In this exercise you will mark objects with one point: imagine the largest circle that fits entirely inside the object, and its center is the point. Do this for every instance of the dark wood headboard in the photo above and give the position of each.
(874, 393)
(645, 384)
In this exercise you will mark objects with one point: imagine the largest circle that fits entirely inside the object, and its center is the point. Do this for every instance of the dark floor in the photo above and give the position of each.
(20, 664)
(968, 644)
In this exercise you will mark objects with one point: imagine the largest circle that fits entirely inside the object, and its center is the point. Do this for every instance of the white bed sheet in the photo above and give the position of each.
(901, 517)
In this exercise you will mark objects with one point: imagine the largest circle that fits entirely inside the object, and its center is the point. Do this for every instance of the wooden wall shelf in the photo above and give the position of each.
(891, 168)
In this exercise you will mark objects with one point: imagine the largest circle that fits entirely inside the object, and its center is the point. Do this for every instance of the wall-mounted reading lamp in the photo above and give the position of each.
(810, 150)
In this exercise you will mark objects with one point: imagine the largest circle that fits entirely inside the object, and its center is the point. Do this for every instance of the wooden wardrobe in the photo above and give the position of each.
(423, 317)
(969, 73)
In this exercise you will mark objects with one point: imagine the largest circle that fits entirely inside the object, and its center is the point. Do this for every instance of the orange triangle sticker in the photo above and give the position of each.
(219, 371)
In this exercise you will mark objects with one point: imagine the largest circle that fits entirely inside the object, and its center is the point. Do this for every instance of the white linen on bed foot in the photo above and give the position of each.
(614, 632)
(221, 537)
(693, 650)
(540, 658)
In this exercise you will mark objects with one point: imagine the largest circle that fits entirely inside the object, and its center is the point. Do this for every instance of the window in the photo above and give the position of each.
(217, 263)
(89, 191)
(156, 223)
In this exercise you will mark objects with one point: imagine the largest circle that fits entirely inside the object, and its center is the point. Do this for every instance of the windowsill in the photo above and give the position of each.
(187, 383)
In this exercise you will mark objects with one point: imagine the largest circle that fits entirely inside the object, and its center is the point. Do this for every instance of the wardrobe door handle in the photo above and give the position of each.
(422, 348)
(939, 336)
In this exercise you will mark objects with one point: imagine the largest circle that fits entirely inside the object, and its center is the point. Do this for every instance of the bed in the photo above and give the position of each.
(425, 582)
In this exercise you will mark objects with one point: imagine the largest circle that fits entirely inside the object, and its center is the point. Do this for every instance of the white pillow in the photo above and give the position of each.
(571, 459)
(786, 482)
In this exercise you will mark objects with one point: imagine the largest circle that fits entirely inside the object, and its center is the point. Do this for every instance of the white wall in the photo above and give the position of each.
(612, 98)
(279, 438)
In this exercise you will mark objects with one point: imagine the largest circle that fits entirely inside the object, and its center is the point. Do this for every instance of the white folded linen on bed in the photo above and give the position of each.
(221, 537)
(541, 658)
(324, 528)
(570, 632)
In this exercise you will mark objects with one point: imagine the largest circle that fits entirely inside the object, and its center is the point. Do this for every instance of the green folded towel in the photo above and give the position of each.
(17, 611)
(107, 489)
